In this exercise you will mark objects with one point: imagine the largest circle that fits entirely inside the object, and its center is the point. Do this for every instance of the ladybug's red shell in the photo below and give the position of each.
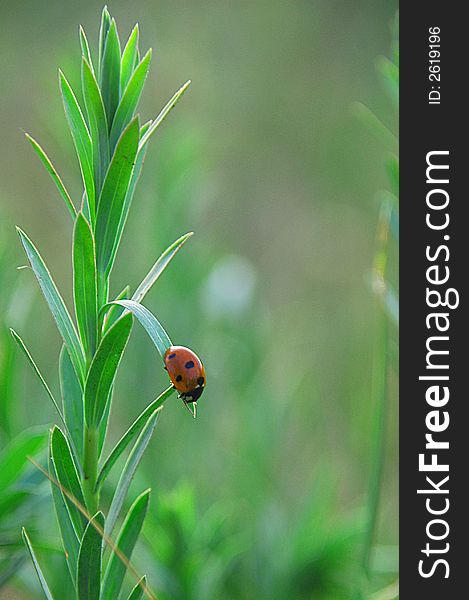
(186, 371)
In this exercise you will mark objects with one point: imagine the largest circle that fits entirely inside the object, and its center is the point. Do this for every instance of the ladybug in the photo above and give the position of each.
(187, 373)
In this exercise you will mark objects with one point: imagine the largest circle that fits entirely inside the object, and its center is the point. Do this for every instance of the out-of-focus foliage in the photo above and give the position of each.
(267, 163)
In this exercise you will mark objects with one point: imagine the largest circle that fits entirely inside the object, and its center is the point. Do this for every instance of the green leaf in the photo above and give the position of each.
(103, 370)
(55, 176)
(70, 541)
(42, 580)
(67, 476)
(129, 56)
(98, 124)
(115, 311)
(159, 119)
(159, 267)
(84, 285)
(130, 191)
(32, 362)
(14, 457)
(89, 560)
(105, 422)
(128, 472)
(130, 99)
(150, 323)
(111, 72)
(115, 571)
(131, 433)
(85, 48)
(103, 31)
(113, 194)
(81, 138)
(72, 400)
(56, 304)
(138, 590)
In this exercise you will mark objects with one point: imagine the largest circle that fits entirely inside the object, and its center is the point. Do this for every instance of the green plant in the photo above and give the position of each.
(110, 143)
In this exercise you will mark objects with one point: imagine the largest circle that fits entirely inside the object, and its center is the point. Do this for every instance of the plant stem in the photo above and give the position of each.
(90, 468)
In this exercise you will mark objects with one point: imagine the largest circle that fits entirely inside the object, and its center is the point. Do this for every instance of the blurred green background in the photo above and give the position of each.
(263, 495)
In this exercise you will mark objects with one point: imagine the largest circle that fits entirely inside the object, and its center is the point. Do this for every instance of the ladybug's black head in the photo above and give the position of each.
(193, 395)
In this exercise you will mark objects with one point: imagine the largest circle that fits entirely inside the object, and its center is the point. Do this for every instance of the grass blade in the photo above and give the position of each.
(138, 590)
(130, 99)
(67, 476)
(32, 362)
(81, 138)
(55, 176)
(113, 194)
(14, 457)
(85, 285)
(42, 580)
(103, 370)
(98, 123)
(128, 473)
(131, 433)
(158, 268)
(56, 305)
(72, 401)
(149, 322)
(129, 56)
(70, 541)
(89, 560)
(159, 119)
(111, 72)
(115, 571)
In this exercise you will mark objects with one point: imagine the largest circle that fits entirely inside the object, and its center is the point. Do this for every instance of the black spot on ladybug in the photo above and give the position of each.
(189, 364)
(172, 355)
(179, 378)
(201, 381)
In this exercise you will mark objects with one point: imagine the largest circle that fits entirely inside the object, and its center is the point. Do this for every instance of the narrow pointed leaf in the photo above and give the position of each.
(70, 541)
(129, 56)
(111, 72)
(103, 370)
(56, 305)
(128, 535)
(128, 472)
(85, 48)
(103, 31)
(131, 434)
(42, 580)
(159, 119)
(140, 159)
(149, 322)
(72, 400)
(138, 590)
(14, 456)
(81, 138)
(89, 560)
(98, 124)
(158, 268)
(32, 362)
(67, 476)
(130, 99)
(55, 176)
(111, 201)
(85, 285)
